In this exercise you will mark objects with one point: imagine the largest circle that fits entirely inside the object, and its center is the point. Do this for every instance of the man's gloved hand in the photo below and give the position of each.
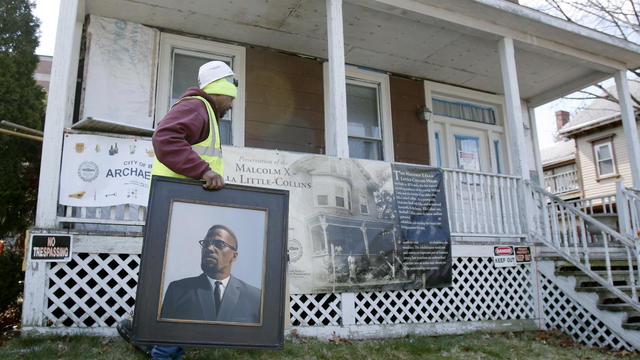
(213, 181)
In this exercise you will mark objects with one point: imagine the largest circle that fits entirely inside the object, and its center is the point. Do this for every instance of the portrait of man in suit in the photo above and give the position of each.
(214, 295)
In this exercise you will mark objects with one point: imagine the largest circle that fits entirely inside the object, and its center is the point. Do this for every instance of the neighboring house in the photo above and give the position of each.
(559, 165)
(602, 156)
(560, 170)
(43, 71)
(428, 83)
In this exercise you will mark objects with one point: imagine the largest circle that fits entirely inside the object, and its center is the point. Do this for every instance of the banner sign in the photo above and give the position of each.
(49, 247)
(105, 171)
(354, 225)
(504, 256)
(421, 210)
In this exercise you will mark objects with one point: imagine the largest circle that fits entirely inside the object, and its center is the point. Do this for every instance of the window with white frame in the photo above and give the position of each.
(332, 192)
(323, 200)
(340, 196)
(364, 205)
(368, 113)
(363, 121)
(604, 158)
(179, 61)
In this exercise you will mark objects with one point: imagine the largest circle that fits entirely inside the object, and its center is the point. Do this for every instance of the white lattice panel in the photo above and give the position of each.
(315, 310)
(91, 290)
(96, 290)
(560, 312)
(479, 292)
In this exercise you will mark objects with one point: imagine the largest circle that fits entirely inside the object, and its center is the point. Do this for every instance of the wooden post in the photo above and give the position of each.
(536, 145)
(516, 130)
(35, 289)
(348, 301)
(629, 125)
(336, 138)
(59, 107)
(622, 207)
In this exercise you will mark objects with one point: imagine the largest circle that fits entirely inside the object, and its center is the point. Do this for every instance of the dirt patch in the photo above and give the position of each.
(10, 323)
(558, 338)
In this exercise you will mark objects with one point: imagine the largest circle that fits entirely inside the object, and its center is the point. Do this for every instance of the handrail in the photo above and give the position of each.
(506, 176)
(569, 231)
(628, 206)
(605, 201)
(116, 215)
(568, 172)
(575, 211)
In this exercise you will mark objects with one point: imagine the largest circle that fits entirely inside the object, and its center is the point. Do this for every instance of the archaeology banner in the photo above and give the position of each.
(105, 171)
(354, 225)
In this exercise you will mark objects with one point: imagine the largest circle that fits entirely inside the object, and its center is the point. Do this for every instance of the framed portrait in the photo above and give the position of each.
(213, 265)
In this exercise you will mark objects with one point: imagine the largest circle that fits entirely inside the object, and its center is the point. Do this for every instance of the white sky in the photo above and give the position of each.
(47, 12)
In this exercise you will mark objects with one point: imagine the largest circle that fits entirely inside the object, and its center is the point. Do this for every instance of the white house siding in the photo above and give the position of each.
(606, 186)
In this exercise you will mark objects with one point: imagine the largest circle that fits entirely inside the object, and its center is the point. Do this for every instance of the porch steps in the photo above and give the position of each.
(620, 317)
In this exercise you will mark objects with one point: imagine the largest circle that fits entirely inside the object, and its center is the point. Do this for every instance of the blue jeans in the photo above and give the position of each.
(167, 352)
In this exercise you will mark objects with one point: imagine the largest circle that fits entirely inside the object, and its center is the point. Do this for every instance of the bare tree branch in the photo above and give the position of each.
(554, 4)
(620, 18)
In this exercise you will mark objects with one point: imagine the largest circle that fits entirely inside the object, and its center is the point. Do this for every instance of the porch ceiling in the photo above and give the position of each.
(452, 41)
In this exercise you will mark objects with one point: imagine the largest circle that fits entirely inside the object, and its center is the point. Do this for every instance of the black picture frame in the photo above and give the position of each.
(180, 212)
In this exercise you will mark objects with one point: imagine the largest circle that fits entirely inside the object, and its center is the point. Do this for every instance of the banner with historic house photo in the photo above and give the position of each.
(354, 225)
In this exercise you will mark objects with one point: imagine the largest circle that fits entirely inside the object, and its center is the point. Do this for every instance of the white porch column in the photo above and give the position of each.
(59, 107)
(59, 115)
(336, 138)
(536, 145)
(516, 130)
(629, 125)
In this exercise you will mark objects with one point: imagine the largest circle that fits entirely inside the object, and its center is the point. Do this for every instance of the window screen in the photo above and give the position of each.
(464, 111)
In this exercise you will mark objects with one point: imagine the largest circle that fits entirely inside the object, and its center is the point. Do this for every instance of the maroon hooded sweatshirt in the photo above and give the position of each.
(186, 124)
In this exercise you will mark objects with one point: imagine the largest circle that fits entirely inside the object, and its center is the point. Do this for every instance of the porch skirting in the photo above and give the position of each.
(97, 288)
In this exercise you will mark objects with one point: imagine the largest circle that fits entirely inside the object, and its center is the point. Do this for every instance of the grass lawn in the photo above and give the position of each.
(524, 345)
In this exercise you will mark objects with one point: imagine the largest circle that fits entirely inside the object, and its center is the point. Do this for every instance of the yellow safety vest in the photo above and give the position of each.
(208, 150)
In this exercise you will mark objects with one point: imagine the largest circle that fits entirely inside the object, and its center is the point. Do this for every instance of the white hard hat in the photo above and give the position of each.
(212, 71)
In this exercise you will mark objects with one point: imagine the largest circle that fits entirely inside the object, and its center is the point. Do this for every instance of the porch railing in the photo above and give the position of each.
(124, 218)
(563, 182)
(597, 205)
(483, 204)
(628, 210)
(577, 236)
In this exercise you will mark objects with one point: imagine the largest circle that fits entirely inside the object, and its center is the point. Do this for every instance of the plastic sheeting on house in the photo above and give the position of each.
(120, 73)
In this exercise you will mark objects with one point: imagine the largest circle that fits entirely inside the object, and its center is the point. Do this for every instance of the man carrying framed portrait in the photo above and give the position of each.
(186, 143)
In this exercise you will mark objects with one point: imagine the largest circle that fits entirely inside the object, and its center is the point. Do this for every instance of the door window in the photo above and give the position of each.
(468, 153)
